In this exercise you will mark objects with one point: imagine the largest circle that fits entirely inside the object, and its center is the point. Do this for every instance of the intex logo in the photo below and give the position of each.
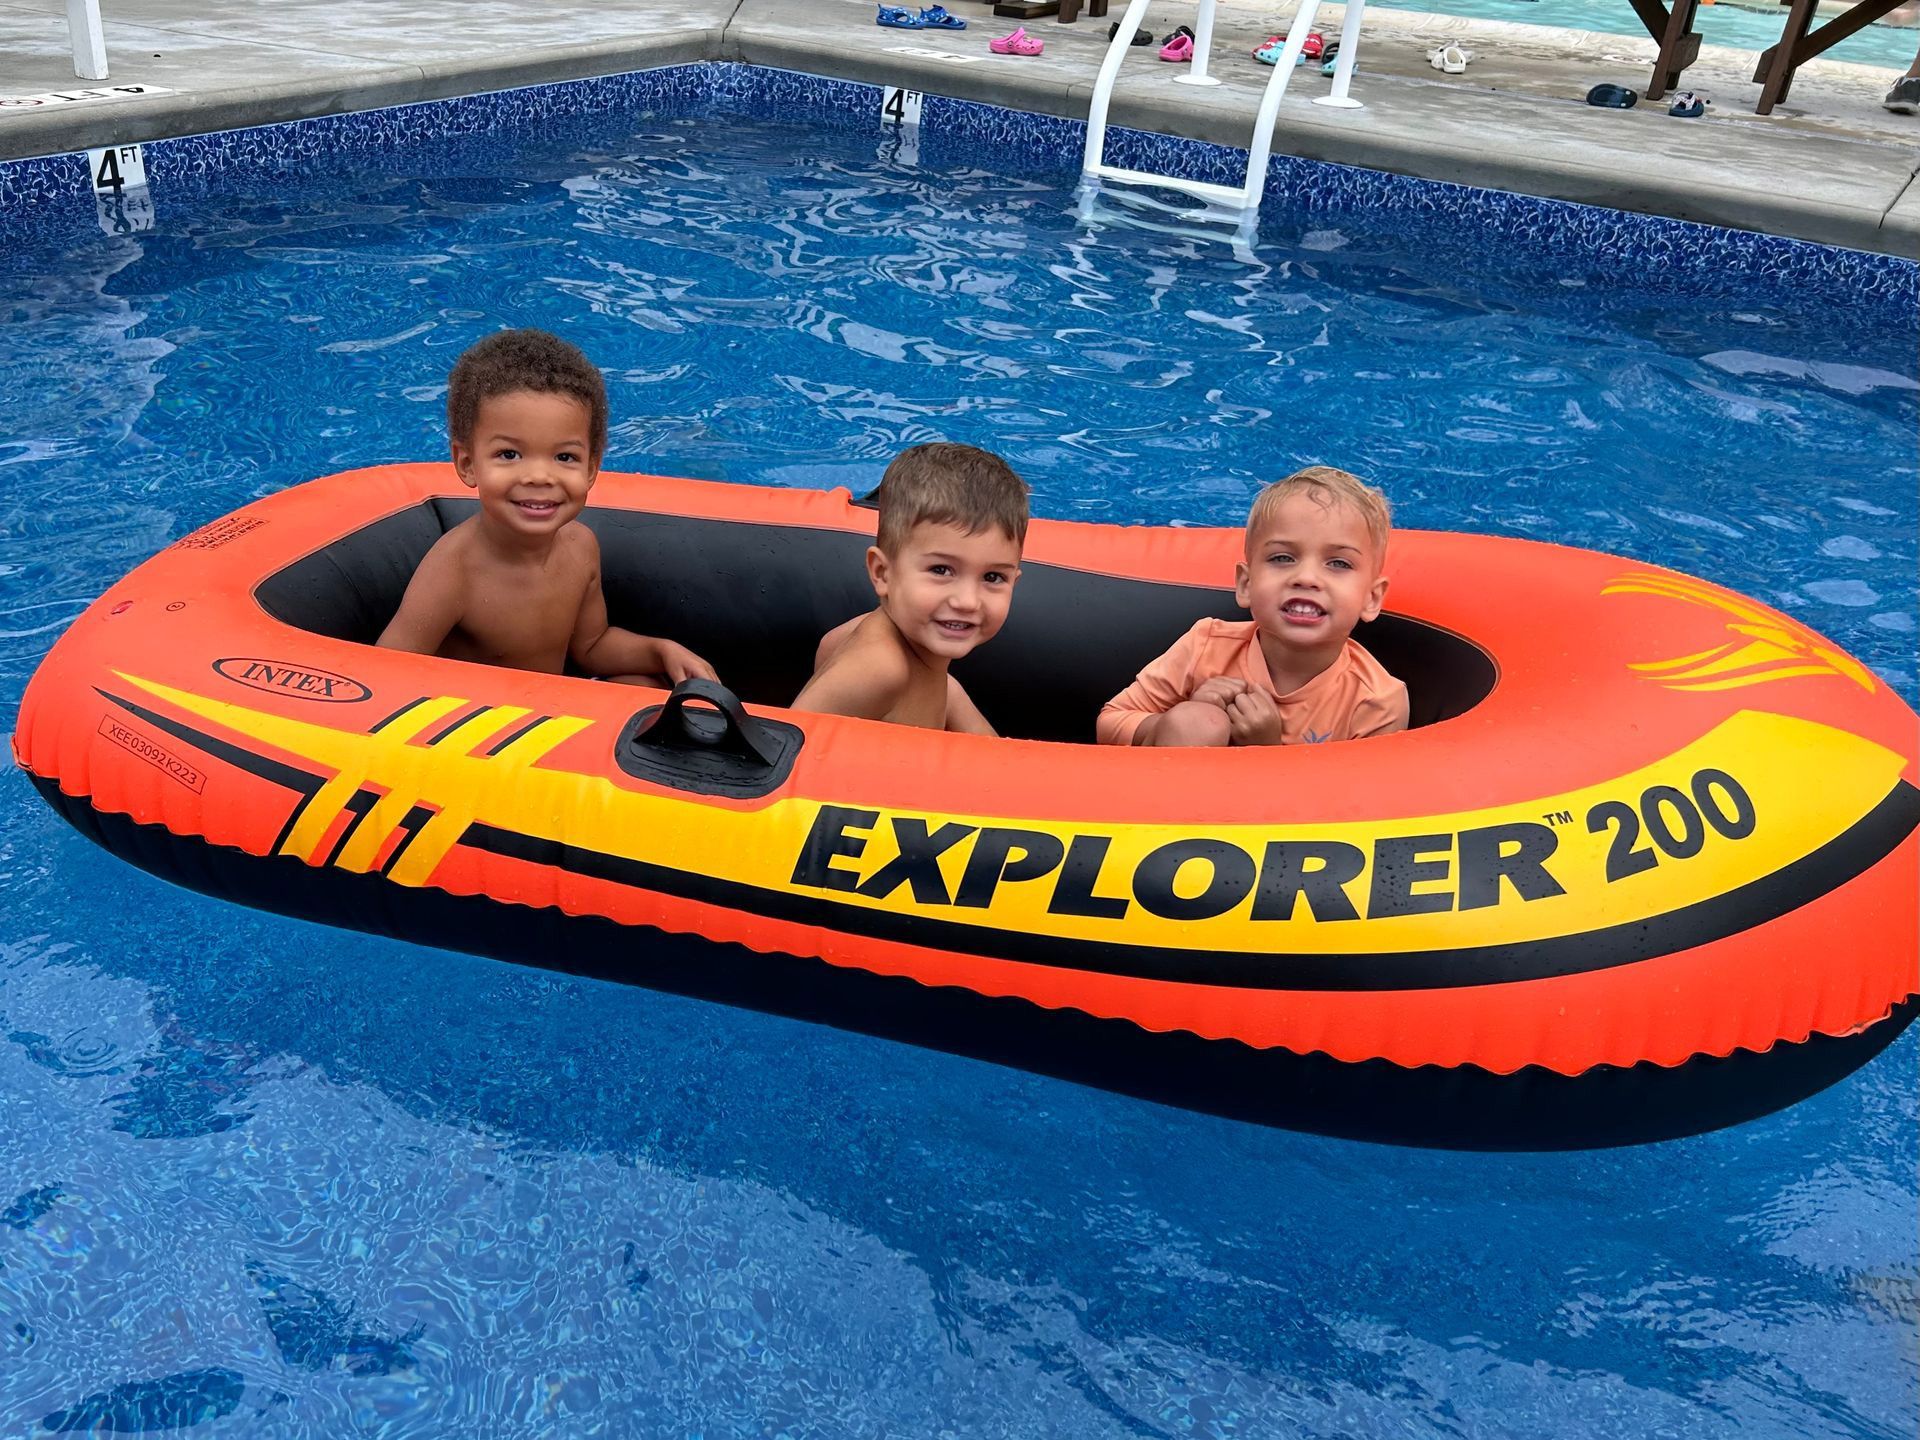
(277, 677)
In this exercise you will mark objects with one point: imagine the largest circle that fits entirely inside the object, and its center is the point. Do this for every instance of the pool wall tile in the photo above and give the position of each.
(1581, 243)
(1657, 253)
(27, 185)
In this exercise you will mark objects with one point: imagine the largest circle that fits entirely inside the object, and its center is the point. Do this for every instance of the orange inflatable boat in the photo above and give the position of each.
(1644, 865)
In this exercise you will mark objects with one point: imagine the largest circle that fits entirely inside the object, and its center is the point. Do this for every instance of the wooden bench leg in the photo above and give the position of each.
(1802, 40)
(1679, 48)
(1776, 67)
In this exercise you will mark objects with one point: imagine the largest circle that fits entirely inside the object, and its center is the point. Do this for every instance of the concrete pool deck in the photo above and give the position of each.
(1831, 167)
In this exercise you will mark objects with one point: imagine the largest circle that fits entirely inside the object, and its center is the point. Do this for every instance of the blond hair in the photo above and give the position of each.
(946, 484)
(1329, 487)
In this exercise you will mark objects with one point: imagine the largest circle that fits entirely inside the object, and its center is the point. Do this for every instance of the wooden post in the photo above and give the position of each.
(1800, 42)
(1679, 45)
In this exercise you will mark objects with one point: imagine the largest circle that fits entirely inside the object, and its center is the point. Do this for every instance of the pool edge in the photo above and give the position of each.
(1888, 226)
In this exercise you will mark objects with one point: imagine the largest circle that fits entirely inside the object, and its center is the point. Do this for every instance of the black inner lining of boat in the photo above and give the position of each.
(754, 600)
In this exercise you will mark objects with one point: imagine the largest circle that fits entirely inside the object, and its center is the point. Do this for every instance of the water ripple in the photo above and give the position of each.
(273, 1179)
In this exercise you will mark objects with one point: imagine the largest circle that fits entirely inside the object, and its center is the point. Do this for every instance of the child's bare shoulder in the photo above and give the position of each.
(456, 543)
(865, 674)
(872, 650)
(835, 640)
(576, 542)
(445, 568)
(438, 596)
(576, 556)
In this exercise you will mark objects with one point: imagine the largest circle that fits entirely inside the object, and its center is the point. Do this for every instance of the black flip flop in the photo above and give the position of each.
(1616, 97)
(1140, 37)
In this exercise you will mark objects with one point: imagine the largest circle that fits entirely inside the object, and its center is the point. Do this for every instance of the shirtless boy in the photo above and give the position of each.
(1293, 674)
(519, 583)
(953, 520)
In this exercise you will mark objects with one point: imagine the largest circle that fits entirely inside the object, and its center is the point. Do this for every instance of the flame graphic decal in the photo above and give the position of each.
(1766, 646)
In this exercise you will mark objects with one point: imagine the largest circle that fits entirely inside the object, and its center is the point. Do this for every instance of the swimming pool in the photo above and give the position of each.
(293, 1182)
(1737, 26)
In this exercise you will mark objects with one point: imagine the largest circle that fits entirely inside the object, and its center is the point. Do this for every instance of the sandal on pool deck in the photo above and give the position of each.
(1140, 37)
(1018, 43)
(1179, 49)
(1688, 106)
(894, 17)
(937, 18)
(1267, 52)
(1449, 59)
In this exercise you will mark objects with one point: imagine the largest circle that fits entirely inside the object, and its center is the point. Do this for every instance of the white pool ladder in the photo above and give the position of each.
(1240, 204)
(89, 41)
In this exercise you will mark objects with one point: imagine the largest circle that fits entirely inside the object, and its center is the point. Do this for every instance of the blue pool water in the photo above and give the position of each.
(265, 1179)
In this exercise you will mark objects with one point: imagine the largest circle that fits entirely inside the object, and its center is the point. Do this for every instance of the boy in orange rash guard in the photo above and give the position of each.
(1293, 674)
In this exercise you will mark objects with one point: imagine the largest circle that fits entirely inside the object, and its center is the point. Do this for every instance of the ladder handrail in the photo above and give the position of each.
(1260, 151)
(1103, 82)
(1344, 61)
(89, 42)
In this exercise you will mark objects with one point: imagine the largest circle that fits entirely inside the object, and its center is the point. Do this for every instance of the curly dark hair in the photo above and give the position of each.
(534, 360)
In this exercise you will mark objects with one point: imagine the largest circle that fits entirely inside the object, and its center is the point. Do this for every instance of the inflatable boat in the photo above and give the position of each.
(1644, 864)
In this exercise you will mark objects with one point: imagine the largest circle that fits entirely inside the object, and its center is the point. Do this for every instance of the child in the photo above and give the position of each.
(1292, 674)
(952, 523)
(519, 583)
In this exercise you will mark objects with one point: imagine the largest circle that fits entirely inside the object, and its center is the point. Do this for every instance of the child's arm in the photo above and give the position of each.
(1162, 685)
(603, 649)
(963, 716)
(431, 608)
(866, 683)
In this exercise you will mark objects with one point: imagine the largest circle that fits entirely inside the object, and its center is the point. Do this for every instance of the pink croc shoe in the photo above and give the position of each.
(1179, 49)
(1018, 43)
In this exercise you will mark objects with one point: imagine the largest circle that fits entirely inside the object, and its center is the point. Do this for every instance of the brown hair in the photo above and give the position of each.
(1330, 487)
(950, 484)
(534, 360)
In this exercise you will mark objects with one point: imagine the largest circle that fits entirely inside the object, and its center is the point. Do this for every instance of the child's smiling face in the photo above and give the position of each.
(947, 591)
(529, 459)
(1311, 573)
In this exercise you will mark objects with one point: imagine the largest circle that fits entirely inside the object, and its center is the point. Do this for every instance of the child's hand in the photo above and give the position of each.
(1253, 718)
(1220, 690)
(681, 663)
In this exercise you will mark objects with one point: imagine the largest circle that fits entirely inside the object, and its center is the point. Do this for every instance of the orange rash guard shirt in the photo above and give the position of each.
(1352, 698)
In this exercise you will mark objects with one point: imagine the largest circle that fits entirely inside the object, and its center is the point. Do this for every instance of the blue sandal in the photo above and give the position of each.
(895, 17)
(937, 18)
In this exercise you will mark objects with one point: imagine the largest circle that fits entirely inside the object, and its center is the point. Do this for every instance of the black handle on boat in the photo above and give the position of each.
(726, 727)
